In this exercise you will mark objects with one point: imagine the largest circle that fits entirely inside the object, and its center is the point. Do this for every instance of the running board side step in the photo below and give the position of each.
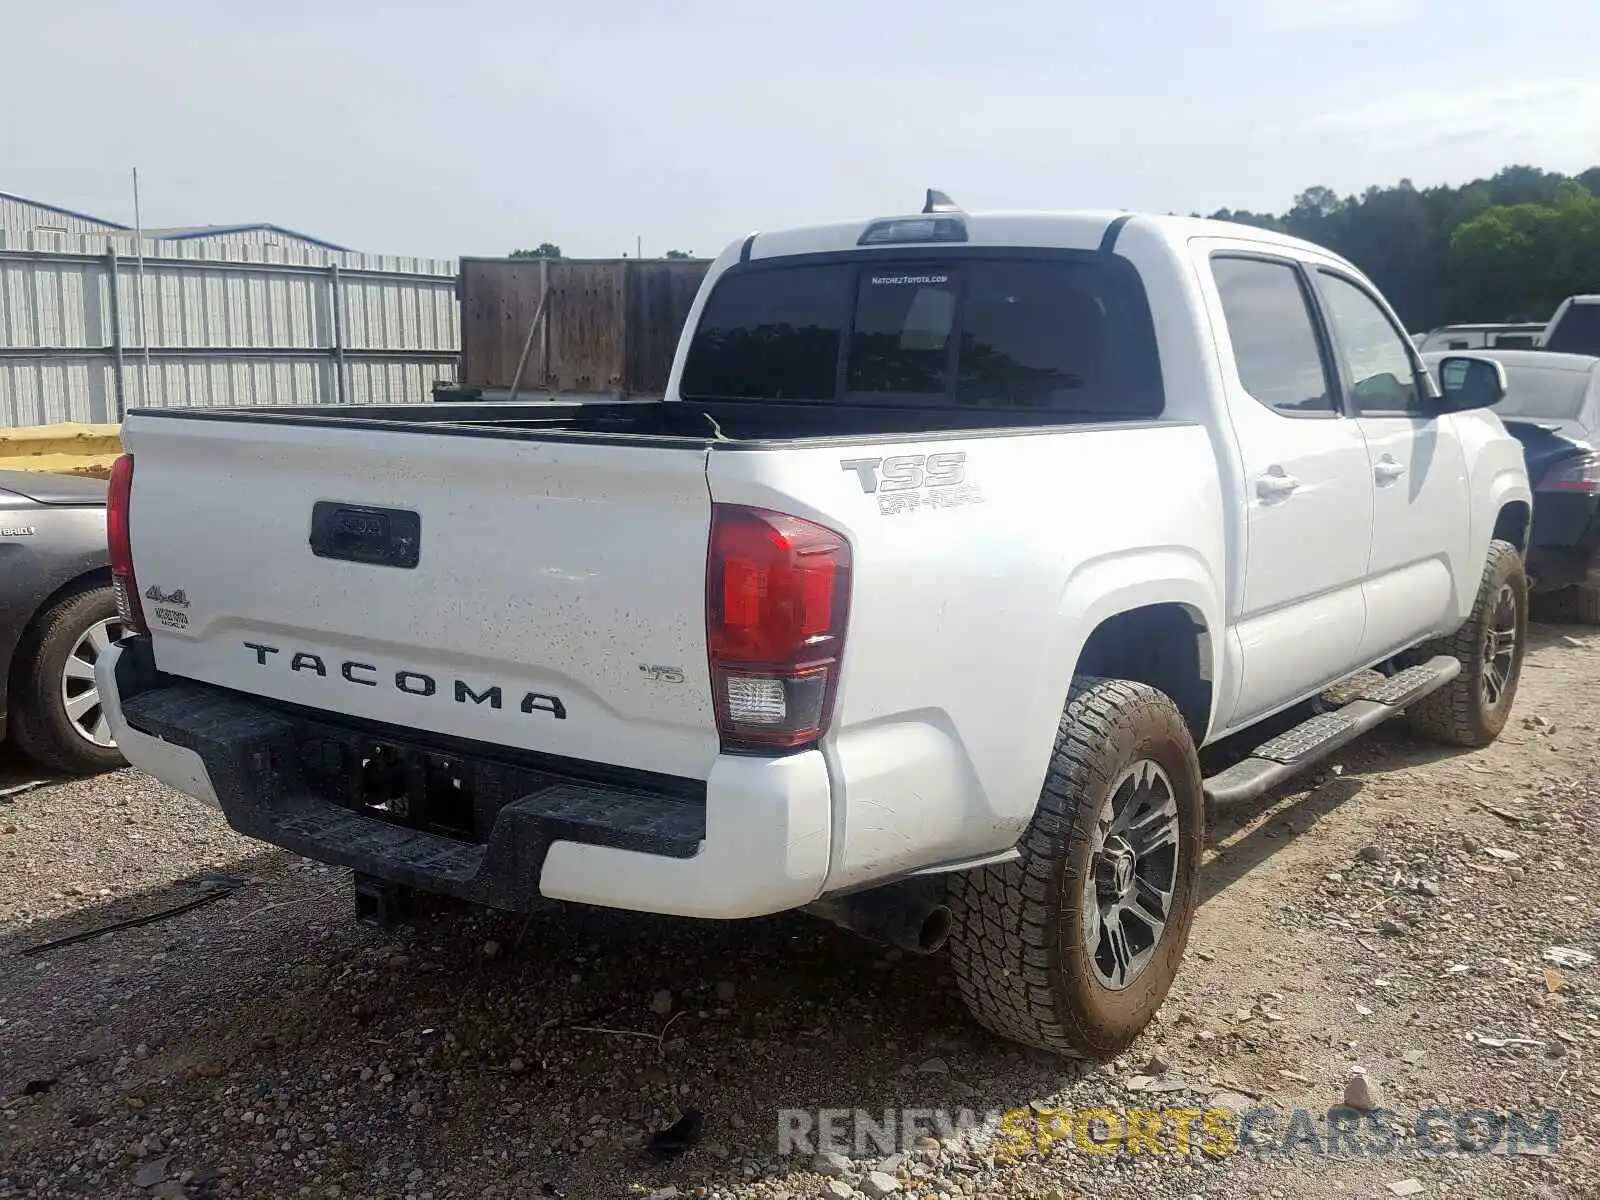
(1311, 741)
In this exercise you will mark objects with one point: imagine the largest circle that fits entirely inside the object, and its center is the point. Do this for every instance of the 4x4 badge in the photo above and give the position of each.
(179, 598)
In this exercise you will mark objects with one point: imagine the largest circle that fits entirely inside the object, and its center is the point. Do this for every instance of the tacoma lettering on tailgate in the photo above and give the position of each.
(412, 683)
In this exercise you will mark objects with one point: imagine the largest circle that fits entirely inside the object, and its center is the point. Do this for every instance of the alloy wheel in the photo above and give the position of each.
(80, 694)
(1499, 646)
(1133, 871)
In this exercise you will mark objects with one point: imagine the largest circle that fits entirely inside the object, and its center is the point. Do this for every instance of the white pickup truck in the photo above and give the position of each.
(953, 538)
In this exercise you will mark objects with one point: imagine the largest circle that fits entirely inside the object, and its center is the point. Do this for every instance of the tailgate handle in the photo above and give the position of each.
(383, 537)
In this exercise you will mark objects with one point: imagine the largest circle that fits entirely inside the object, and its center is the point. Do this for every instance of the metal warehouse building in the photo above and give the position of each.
(233, 238)
(230, 314)
(40, 225)
(22, 219)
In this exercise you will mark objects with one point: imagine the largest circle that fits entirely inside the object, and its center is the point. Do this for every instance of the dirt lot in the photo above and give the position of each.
(1395, 916)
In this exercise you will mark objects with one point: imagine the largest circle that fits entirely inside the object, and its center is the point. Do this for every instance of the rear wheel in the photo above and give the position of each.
(1073, 947)
(56, 714)
(1473, 708)
(1579, 603)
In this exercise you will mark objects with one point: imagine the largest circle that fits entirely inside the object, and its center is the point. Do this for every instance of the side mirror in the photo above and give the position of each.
(1469, 383)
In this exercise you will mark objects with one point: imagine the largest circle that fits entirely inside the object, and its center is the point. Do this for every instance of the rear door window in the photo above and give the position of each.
(1275, 347)
(1064, 335)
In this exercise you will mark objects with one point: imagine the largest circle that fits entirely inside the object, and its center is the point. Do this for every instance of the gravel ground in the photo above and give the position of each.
(1393, 914)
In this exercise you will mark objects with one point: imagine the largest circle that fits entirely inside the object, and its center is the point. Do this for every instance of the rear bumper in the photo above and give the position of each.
(756, 841)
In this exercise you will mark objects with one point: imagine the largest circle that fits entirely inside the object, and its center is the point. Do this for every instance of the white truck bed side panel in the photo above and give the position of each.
(966, 618)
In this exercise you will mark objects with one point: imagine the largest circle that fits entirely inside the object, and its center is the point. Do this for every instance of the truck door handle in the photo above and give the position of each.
(1387, 470)
(1274, 483)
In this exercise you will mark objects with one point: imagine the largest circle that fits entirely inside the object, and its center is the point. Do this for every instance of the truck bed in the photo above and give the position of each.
(528, 576)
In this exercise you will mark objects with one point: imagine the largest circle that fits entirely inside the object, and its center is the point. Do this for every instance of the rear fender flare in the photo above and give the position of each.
(1097, 591)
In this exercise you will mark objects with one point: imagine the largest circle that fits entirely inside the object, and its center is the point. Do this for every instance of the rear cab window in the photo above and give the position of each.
(1577, 332)
(767, 338)
(1065, 335)
(900, 338)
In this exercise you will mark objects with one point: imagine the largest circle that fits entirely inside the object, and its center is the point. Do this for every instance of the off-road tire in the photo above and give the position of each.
(38, 720)
(1458, 714)
(1017, 944)
(1579, 604)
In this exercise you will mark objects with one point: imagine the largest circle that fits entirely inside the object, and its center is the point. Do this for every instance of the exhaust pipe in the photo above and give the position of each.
(910, 915)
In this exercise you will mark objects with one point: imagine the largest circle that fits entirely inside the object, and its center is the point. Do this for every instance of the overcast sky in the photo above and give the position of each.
(493, 125)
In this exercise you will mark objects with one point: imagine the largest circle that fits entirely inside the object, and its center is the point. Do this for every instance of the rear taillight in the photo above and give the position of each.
(1579, 475)
(119, 500)
(777, 594)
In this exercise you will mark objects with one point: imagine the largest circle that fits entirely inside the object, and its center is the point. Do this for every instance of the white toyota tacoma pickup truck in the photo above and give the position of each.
(953, 539)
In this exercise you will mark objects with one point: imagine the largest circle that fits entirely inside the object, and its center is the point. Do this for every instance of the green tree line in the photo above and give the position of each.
(1507, 248)
(551, 250)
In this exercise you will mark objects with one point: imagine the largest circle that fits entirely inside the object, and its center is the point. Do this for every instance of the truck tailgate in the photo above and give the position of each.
(556, 602)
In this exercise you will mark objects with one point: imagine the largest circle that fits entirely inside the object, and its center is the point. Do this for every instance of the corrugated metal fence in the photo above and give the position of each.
(298, 326)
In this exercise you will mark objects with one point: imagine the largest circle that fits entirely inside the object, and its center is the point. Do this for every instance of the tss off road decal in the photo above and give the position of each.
(912, 482)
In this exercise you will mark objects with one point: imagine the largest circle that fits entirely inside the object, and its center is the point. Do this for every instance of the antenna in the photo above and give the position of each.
(938, 202)
(144, 336)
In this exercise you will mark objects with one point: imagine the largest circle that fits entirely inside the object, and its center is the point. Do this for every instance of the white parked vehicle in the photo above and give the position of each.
(1522, 335)
(910, 604)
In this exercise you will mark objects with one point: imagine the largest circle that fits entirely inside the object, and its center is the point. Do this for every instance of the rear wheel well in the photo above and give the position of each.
(1163, 645)
(1512, 524)
(99, 577)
